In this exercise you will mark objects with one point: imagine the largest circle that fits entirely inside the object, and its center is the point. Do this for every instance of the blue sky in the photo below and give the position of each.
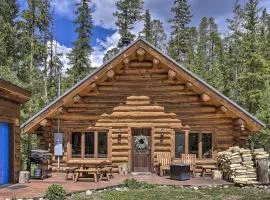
(105, 35)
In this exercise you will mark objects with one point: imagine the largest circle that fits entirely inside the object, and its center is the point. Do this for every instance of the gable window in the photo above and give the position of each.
(89, 145)
(179, 144)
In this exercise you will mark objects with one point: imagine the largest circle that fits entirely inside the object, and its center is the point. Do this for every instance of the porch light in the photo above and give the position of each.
(162, 133)
(119, 132)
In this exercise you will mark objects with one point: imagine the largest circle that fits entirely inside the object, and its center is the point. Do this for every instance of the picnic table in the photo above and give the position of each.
(207, 167)
(80, 174)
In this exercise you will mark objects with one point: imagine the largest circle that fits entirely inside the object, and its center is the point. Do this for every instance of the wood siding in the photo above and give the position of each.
(145, 94)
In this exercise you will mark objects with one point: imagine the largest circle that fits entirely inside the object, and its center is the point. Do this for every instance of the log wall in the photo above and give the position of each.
(142, 92)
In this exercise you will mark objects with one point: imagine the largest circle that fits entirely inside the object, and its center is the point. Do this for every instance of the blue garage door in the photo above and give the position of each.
(4, 153)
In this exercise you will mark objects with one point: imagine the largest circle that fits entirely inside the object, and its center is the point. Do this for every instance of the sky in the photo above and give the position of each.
(105, 34)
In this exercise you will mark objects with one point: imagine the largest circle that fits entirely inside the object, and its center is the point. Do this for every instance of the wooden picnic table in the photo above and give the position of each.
(89, 171)
(206, 167)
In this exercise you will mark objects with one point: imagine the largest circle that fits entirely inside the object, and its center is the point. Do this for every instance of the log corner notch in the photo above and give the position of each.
(223, 109)
(126, 62)
(77, 98)
(205, 97)
(241, 123)
(110, 74)
(171, 75)
(141, 54)
(155, 62)
(44, 122)
(188, 86)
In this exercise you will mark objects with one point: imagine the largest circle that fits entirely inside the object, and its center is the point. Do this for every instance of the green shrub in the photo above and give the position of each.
(134, 184)
(55, 192)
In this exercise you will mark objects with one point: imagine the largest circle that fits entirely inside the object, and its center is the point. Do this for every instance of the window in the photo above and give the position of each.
(89, 145)
(193, 143)
(179, 144)
(199, 143)
(102, 145)
(206, 145)
(76, 145)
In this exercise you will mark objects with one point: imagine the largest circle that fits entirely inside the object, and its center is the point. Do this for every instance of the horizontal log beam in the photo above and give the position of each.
(171, 74)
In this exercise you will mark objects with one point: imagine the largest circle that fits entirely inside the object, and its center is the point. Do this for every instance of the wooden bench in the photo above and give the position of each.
(70, 171)
(90, 171)
(105, 170)
(207, 167)
(164, 160)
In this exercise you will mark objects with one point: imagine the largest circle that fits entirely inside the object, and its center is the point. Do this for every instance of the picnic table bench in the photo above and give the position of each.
(207, 167)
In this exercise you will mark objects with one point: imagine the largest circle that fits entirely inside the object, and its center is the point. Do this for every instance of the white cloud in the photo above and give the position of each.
(102, 47)
(62, 51)
(65, 8)
(103, 13)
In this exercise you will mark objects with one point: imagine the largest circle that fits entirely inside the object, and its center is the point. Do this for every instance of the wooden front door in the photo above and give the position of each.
(141, 150)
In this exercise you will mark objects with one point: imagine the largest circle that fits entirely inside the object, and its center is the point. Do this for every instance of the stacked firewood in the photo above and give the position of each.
(237, 165)
(260, 153)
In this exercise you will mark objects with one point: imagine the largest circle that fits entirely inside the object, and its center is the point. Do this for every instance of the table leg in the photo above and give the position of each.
(95, 177)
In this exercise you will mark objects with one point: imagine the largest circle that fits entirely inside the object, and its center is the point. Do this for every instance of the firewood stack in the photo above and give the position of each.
(237, 165)
(260, 153)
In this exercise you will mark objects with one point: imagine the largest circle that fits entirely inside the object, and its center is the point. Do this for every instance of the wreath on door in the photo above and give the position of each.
(141, 143)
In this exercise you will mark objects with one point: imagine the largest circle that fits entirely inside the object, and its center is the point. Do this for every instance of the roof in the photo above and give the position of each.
(13, 92)
(38, 117)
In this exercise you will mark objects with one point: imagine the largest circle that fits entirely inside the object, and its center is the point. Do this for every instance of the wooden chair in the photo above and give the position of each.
(164, 160)
(191, 160)
(105, 170)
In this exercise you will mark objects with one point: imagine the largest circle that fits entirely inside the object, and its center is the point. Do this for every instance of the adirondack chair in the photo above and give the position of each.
(164, 160)
(191, 160)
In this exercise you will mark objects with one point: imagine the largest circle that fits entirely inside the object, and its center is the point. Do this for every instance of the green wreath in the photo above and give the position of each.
(141, 143)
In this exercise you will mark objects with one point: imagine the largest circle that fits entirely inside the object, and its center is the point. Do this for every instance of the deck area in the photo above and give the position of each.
(37, 188)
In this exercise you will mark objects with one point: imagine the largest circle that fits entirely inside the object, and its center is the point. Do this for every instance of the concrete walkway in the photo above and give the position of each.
(37, 188)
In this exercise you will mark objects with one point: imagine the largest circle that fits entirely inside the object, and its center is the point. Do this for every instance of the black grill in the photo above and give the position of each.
(180, 172)
(39, 158)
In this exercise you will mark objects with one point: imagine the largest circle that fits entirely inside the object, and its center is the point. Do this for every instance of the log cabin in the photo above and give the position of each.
(11, 98)
(137, 104)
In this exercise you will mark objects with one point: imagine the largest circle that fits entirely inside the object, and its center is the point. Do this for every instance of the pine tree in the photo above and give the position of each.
(79, 57)
(148, 27)
(127, 14)
(159, 35)
(255, 67)
(8, 39)
(233, 54)
(178, 47)
(202, 67)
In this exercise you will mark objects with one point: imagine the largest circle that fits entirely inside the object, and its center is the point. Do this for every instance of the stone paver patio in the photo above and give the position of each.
(37, 188)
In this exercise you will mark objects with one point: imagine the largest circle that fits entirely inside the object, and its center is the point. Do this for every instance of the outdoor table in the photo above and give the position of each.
(205, 167)
(90, 171)
(180, 171)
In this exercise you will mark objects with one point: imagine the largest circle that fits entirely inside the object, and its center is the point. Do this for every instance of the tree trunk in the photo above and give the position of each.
(262, 171)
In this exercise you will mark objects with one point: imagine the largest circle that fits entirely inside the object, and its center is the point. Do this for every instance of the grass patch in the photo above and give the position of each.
(167, 193)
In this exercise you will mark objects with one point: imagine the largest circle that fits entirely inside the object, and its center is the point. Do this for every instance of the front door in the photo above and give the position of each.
(141, 150)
